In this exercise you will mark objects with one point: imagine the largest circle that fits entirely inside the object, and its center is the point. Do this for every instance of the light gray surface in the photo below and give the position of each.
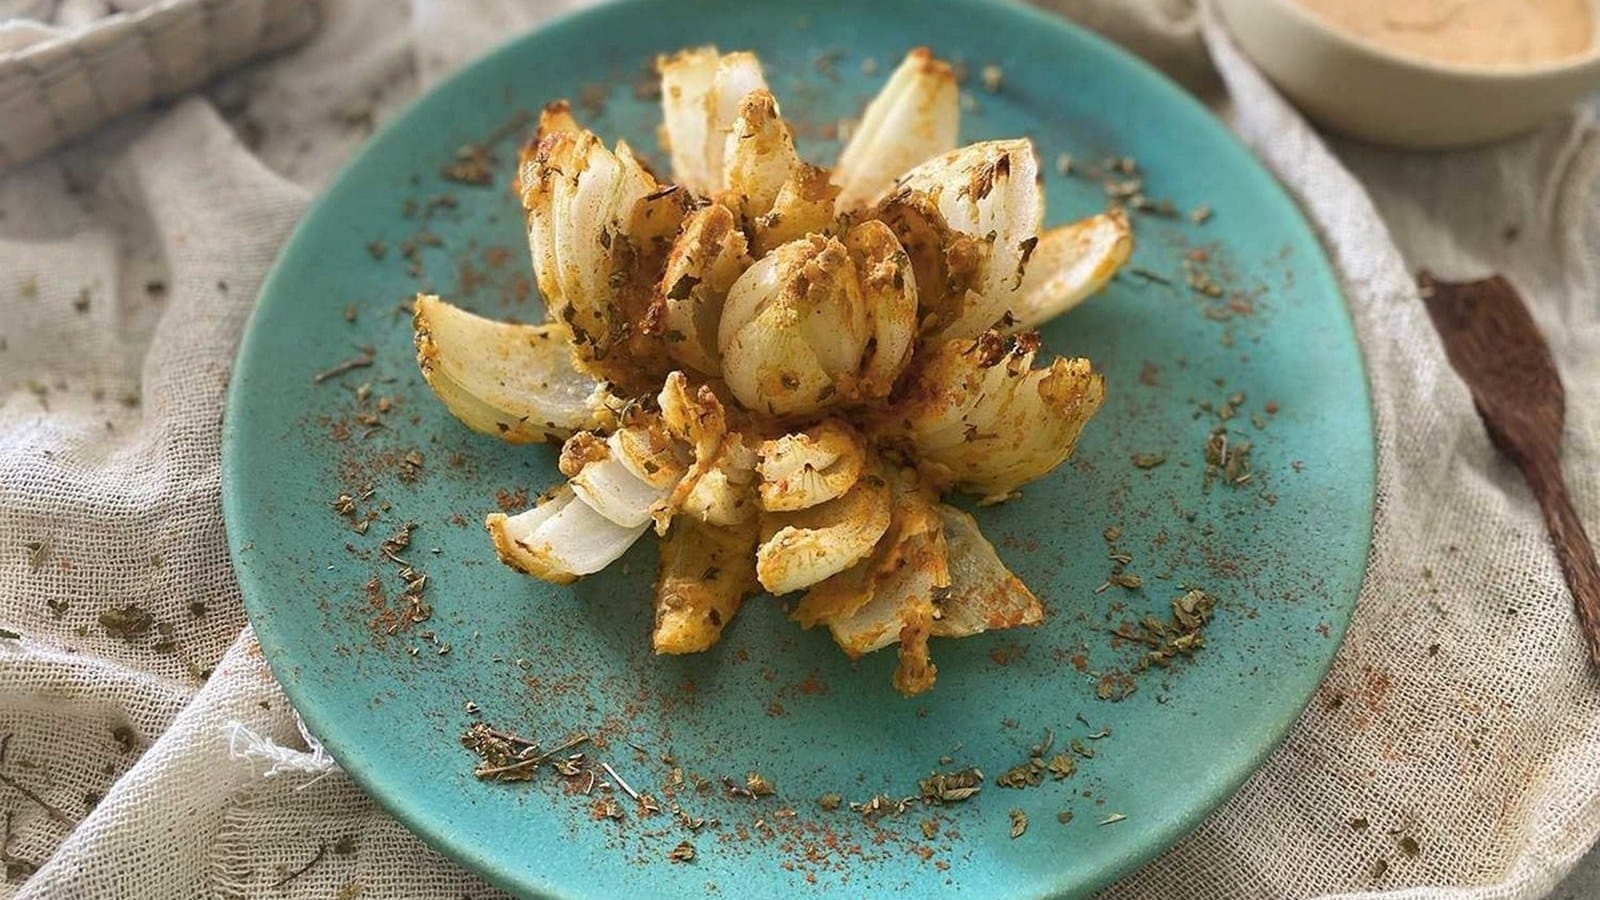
(1584, 882)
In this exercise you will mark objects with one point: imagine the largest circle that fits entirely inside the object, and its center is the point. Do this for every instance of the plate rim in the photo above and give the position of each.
(416, 818)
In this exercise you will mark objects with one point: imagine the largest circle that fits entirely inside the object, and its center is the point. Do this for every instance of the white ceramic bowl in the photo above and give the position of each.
(1365, 91)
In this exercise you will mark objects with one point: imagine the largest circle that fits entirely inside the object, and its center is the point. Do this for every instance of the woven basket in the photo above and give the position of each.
(67, 83)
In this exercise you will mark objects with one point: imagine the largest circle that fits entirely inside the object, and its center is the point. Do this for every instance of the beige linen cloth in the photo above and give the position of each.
(1460, 712)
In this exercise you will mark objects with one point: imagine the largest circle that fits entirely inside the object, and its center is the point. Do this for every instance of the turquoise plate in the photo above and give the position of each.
(1283, 552)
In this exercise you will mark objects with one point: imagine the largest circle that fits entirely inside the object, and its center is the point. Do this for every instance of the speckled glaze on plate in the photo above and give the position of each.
(1284, 552)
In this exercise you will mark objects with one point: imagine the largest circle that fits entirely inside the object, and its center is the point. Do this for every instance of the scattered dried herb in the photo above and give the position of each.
(1123, 188)
(509, 757)
(1021, 775)
(758, 785)
(38, 554)
(17, 868)
(1149, 275)
(1064, 816)
(1193, 609)
(1148, 460)
(127, 739)
(1061, 766)
(322, 850)
(37, 800)
(474, 163)
(127, 622)
(626, 788)
(410, 466)
(829, 802)
(360, 361)
(1048, 741)
(1227, 460)
(1181, 635)
(1164, 208)
(1113, 819)
(1199, 277)
(1409, 846)
(682, 853)
(882, 804)
(950, 787)
(1115, 686)
(1019, 823)
(391, 546)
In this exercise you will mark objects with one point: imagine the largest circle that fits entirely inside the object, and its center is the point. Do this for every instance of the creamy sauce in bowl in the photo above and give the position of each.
(1480, 33)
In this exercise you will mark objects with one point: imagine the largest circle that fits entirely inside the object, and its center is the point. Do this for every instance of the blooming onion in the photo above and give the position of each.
(781, 368)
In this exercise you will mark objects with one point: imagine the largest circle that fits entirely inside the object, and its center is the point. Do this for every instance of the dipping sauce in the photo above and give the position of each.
(1484, 33)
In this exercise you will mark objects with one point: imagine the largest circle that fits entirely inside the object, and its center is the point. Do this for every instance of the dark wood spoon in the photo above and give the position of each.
(1495, 345)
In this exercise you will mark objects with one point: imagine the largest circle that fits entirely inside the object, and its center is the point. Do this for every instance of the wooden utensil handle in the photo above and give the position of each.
(1572, 545)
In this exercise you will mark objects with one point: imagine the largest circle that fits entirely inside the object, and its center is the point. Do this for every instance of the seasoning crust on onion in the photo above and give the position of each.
(781, 368)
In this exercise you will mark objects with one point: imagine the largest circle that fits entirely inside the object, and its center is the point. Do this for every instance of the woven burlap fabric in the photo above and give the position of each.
(1460, 712)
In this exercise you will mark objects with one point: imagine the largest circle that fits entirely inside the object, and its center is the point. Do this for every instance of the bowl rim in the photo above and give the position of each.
(1420, 64)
